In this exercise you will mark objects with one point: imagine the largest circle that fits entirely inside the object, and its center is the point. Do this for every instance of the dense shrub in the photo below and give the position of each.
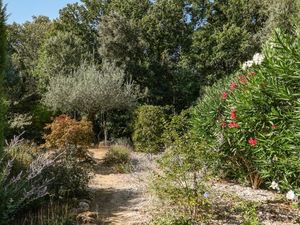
(117, 154)
(148, 128)
(252, 126)
(69, 173)
(67, 131)
(177, 127)
(17, 192)
(22, 153)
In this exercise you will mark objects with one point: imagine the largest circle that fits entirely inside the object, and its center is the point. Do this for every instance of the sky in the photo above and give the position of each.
(22, 10)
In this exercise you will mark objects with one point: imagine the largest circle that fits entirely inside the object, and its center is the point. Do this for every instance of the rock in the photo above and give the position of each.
(83, 207)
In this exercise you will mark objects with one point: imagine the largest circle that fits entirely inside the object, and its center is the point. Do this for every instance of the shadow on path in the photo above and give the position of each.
(111, 202)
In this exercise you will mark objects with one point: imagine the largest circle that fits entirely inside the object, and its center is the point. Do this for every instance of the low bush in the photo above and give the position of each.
(17, 192)
(148, 128)
(172, 220)
(180, 181)
(70, 172)
(117, 154)
(67, 131)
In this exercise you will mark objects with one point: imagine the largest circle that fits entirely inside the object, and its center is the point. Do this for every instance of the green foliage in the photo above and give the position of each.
(3, 56)
(72, 51)
(70, 173)
(251, 125)
(249, 212)
(22, 153)
(180, 182)
(117, 154)
(148, 128)
(172, 220)
(18, 192)
(92, 92)
(177, 127)
(67, 131)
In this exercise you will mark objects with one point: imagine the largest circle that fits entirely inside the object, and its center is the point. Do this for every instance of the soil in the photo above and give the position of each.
(122, 198)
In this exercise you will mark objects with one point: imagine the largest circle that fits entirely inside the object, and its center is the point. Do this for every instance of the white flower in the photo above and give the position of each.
(290, 195)
(258, 58)
(247, 64)
(206, 195)
(274, 186)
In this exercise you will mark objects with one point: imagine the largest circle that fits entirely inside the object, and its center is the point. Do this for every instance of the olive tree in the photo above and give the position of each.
(92, 92)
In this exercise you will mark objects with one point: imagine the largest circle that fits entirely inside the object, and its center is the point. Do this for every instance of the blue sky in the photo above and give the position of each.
(22, 10)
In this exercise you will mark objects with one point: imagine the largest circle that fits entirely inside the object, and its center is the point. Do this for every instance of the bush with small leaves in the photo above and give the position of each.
(180, 181)
(70, 172)
(148, 128)
(67, 131)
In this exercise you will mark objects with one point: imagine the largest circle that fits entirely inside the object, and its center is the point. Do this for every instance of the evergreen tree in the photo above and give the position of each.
(2, 68)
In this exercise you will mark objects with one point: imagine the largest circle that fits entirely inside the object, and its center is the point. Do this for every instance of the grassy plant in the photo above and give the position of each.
(49, 214)
(117, 155)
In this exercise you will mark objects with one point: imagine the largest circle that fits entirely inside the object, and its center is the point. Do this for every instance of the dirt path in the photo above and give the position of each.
(121, 198)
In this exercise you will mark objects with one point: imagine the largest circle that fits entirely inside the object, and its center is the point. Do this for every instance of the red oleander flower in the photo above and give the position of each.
(243, 79)
(233, 114)
(233, 125)
(225, 95)
(233, 86)
(252, 141)
(223, 124)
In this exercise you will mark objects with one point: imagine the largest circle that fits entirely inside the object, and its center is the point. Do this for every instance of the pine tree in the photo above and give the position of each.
(2, 69)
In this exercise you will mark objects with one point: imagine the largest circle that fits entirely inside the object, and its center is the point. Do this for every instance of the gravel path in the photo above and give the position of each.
(122, 198)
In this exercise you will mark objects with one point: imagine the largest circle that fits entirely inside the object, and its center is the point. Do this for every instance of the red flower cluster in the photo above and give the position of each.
(233, 86)
(252, 141)
(225, 95)
(233, 125)
(233, 114)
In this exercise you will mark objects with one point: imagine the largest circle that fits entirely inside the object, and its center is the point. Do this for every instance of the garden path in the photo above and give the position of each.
(121, 198)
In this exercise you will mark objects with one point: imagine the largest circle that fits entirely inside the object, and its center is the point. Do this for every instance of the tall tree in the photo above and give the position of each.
(226, 36)
(2, 70)
(61, 54)
(24, 43)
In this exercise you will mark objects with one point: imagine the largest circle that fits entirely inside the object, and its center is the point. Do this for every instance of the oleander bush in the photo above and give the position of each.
(250, 121)
(67, 131)
(148, 128)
